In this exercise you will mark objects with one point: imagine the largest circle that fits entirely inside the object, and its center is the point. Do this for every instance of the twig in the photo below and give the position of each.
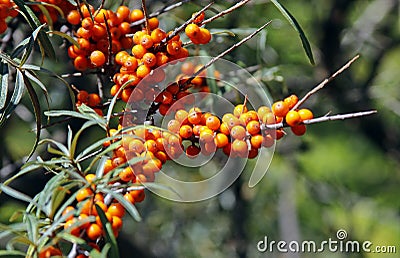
(236, 6)
(183, 26)
(325, 82)
(324, 119)
(339, 117)
(163, 10)
(214, 59)
(146, 18)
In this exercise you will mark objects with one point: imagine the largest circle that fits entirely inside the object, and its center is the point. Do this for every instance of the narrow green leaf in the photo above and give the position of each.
(100, 167)
(16, 194)
(59, 145)
(104, 251)
(32, 227)
(34, 23)
(74, 142)
(66, 36)
(69, 113)
(15, 97)
(114, 100)
(3, 85)
(95, 146)
(29, 167)
(109, 235)
(12, 253)
(26, 45)
(59, 10)
(37, 110)
(127, 205)
(71, 238)
(93, 115)
(297, 27)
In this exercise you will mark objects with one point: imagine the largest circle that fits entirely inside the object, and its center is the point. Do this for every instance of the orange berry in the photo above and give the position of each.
(253, 127)
(239, 109)
(97, 58)
(130, 63)
(262, 111)
(206, 135)
(161, 58)
(291, 101)
(268, 141)
(194, 117)
(192, 151)
(94, 231)
(101, 15)
(192, 30)
(181, 116)
(49, 251)
(127, 174)
(149, 59)
(136, 145)
(256, 141)
(173, 126)
(240, 147)
(213, 122)
(98, 31)
(138, 51)
(299, 129)
(153, 23)
(158, 35)
(186, 131)
(292, 118)
(87, 23)
(123, 12)
(74, 17)
(205, 36)
(238, 132)
(90, 177)
(142, 71)
(280, 108)
(83, 194)
(305, 114)
(81, 63)
(221, 140)
(146, 41)
(93, 100)
(136, 15)
(199, 18)
(117, 221)
(87, 11)
(173, 48)
(116, 209)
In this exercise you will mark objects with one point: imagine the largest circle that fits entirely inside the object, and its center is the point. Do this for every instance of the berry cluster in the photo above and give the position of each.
(92, 100)
(7, 9)
(152, 48)
(283, 111)
(97, 30)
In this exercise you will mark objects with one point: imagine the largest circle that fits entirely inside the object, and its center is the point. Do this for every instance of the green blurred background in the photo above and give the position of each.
(340, 175)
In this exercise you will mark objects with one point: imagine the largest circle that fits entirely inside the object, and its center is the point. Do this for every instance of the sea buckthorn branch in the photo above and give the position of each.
(167, 8)
(325, 82)
(146, 18)
(230, 49)
(322, 119)
(183, 26)
(226, 11)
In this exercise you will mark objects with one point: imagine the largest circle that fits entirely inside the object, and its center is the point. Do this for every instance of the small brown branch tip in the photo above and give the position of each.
(229, 10)
(325, 82)
(340, 117)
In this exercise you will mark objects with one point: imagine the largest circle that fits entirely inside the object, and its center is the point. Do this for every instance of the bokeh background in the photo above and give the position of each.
(340, 175)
